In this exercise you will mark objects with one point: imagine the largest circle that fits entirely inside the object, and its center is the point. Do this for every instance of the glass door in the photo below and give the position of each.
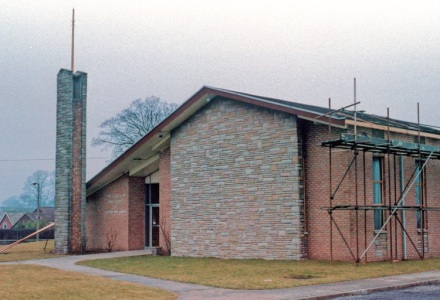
(152, 215)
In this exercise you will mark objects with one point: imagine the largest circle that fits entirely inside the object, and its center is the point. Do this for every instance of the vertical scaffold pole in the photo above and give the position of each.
(365, 203)
(395, 204)
(421, 186)
(330, 179)
(389, 183)
(356, 175)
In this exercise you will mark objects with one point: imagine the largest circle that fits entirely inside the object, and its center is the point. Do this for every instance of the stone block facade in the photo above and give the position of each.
(70, 183)
(236, 184)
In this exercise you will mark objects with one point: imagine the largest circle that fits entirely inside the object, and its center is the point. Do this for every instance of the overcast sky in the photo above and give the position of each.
(303, 51)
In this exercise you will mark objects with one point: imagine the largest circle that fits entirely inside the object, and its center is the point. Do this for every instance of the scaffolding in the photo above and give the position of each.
(390, 150)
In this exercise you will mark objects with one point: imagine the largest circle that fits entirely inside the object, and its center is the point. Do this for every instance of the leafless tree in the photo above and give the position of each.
(46, 183)
(111, 239)
(28, 198)
(126, 128)
(166, 236)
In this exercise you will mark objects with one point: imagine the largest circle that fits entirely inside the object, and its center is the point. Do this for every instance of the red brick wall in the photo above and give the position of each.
(77, 180)
(107, 212)
(136, 226)
(358, 234)
(165, 201)
(118, 208)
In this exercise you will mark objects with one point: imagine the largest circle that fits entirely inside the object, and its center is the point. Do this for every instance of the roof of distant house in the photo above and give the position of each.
(14, 216)
(46, 213)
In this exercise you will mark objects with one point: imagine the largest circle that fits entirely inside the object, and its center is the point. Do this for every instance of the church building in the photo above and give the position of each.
(234, 175)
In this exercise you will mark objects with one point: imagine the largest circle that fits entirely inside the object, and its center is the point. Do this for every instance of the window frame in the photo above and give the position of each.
(420, 194)
(378, 217)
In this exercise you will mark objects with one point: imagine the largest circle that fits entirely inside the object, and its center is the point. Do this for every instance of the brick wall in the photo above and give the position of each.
(118, 208)
(136, 226)
(70, 162)
(77, 233)
(107, 213)
(165, 201)
(358, 234)
(236, 184)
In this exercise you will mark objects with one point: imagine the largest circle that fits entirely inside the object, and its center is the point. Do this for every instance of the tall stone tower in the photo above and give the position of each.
(70, 171)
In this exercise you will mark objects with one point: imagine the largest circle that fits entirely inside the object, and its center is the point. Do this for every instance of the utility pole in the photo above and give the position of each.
(38, 209)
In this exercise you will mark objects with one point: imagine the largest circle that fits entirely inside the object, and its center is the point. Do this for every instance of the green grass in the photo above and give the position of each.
(256, 274)
(27, 251)
(36, 282)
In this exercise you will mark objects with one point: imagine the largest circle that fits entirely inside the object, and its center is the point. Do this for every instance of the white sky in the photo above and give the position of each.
(304, 51)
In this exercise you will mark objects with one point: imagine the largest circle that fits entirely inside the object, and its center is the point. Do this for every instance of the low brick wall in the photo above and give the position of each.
(117, 209)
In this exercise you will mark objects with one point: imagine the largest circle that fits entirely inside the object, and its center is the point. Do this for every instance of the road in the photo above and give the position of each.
(425, 292)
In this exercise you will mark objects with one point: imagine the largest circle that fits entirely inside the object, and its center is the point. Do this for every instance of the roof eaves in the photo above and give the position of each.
(182, 108)
(293, 105)
(208, 92)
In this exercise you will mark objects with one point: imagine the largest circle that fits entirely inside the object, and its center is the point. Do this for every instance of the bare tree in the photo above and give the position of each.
(111, 236)
(46, 184)
(126, 128)
(166, 235)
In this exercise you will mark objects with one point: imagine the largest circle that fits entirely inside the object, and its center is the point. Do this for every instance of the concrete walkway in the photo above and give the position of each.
(188, 291)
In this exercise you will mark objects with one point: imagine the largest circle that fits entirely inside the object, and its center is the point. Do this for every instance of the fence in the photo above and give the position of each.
(17, 234)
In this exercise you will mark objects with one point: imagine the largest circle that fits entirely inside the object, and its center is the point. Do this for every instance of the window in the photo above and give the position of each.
(5, 226)
(377, 192)
(376, 133)
(422, 139)
(77, 87)
(420, 187)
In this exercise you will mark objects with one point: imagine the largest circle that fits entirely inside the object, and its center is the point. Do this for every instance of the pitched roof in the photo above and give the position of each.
(158, 138)
(14, 216)
(46, 213)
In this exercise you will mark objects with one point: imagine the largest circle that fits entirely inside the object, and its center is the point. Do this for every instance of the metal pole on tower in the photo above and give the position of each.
(73, 40)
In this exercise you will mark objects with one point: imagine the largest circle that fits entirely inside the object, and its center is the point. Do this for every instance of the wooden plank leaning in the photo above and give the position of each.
(27, 237)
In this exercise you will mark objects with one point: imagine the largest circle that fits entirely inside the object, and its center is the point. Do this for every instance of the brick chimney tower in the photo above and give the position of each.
(70, 172)
(70, 169)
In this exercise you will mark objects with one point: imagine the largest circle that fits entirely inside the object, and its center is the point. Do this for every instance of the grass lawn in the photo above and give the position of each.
(36, 282)
(26, 251)
(256, 274)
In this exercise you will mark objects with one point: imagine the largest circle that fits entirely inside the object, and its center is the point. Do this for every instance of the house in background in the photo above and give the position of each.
(46, 216)
(46, 213)
(9, 219)
(2, 214)
(234, 175)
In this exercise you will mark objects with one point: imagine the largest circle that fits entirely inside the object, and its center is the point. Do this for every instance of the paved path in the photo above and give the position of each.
(188, 291)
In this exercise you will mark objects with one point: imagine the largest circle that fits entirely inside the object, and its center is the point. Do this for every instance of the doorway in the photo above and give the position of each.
(152, 215)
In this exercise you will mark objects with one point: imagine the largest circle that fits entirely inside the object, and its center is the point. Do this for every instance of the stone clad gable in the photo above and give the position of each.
(236, 184)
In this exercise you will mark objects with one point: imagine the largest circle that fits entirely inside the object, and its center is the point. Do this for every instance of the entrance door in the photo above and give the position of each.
(152, 219)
